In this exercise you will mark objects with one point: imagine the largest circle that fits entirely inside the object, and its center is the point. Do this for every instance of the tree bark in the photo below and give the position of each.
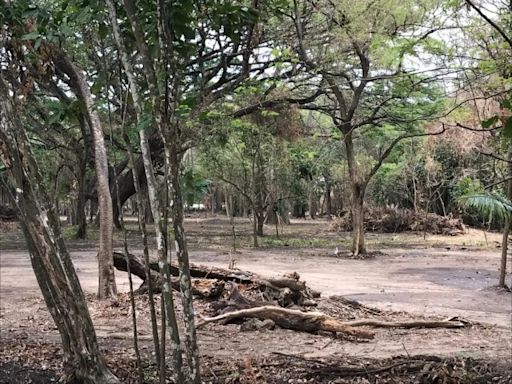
(81, 217)
(358, 188)
(183, 259)
(141, 212)
(358, 233)
(107, 283)
(148, 70)
(313, 205)
(260, 218)
(328, 199)
(506, 232)
(294, 319)
(56, 276)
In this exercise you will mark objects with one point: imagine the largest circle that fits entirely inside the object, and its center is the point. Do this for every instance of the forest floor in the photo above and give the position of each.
(411, 276)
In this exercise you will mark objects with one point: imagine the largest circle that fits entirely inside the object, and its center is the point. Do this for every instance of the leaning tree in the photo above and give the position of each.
(50, 259)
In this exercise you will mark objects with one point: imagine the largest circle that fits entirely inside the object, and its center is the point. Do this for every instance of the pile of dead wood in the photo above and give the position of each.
(262, 302)
(209, 282)
(393, 220)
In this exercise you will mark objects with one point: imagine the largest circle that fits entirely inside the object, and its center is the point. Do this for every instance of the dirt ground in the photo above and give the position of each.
(411, 277)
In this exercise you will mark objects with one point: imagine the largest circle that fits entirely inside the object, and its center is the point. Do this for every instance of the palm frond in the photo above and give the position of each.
(489, 204)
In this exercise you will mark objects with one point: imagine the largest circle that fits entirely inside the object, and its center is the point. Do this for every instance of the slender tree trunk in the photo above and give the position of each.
(50, 259)
(357, 199)
(313, 206)
(260, 216)
(81, 217)
(183, 261)
(141, 211)
(254, 228)
(168, 301)
(243, 206)
(328, 200)
(506, 231)
(148, 217)
(272, 212)
(358, 233)
(228, 202)
(107, 283)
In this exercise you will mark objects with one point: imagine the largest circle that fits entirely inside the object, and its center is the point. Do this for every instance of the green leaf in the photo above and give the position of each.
(507, 104)
(145, 122)
(488, 204)
(31, 36)
(38, 42)
(103, 31)
(489, 122)
(96, 87)
(507, 129)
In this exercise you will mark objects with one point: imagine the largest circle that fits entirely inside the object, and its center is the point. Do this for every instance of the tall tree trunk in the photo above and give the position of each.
(243, 206)
(506, 231)
(357, 199)
(107, 283)
(328, 199)
(168, 301)
(260, 217)
(141, 211)
(50, 259)
(81, 217)
(228, 204)
(272, 213)
(183, 260)
(313, 204)
(358, 234)
(254, 228)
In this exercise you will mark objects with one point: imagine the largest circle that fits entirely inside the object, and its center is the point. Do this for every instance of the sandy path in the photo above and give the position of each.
(428, 281)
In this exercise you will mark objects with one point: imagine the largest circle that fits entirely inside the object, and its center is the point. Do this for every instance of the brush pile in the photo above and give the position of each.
(393, 220)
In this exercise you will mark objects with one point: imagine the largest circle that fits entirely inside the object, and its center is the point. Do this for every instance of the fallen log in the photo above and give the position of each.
(210, 272)
(318, 321)
(453, 322)
(286, 290)
(292, 319)
(205, 288)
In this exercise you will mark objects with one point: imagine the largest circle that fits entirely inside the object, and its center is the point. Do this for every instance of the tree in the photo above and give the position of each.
(238, 157)
(107, 283)
(48, 254)
(356, 60)
(496, 206)
(496, 64)
(202, 55)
